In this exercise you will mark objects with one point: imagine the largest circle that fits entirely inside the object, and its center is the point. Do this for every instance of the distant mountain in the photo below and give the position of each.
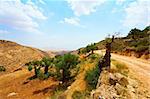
(14, 56)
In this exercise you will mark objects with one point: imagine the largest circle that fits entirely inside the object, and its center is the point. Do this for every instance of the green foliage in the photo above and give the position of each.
(88, 48)
(118, 45)
(46, 62)
(2, 69)
(37, 65)
(141, 48)
(134, 33)
(83, 51)
(42, 76)
(92, 77)
(30, 67)
(91, 47)
(64, 64)
(93, 56)
(136, 41)
(141, 42)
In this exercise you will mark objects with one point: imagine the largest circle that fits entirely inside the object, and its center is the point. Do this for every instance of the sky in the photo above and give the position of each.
(69, 24)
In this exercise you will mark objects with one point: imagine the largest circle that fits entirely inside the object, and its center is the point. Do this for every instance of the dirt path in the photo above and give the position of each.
(139, 67)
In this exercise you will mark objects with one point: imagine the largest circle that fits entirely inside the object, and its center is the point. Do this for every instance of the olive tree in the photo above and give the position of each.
(36, 65)
(64, 64)
(46, 62)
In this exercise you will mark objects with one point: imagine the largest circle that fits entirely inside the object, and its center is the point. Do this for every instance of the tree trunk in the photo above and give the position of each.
(35, 71)
(92, 52)
(46, 70)
(63, 75)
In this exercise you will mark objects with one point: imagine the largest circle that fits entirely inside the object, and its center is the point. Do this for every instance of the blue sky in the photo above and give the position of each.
(69, 24)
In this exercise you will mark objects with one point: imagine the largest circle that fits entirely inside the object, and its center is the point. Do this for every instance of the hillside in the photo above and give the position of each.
(77, 74)
(14, 56)
(136, 43)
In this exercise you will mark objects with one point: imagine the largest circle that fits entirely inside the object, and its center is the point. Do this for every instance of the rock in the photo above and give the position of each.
(119, 89)
(103, 79)
(112, 81)
(69, 87)
(123, 81)
(106, 91)
(12, 94)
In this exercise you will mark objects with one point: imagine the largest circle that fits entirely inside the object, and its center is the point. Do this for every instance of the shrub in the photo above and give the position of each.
(93, 56)
(141, 48)
(30, 67)
(88, 48)
(92, 77)
(91, 48)
(2, 69)
(42, 76)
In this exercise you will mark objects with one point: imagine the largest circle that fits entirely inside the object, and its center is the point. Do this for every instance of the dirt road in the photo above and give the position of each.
(140, 68)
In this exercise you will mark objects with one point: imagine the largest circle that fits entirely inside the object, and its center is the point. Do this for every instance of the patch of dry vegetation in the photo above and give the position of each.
(119, 67)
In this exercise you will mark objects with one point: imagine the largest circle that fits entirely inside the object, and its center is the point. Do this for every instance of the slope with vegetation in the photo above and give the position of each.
(136, 43)
(77, 74)
(13, 56)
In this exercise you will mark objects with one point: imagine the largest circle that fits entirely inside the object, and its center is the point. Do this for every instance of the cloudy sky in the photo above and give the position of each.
(69, 24)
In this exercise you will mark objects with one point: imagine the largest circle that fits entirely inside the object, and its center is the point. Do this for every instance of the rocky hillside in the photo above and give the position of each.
(136, 43)
(121, 82)
(14, 56)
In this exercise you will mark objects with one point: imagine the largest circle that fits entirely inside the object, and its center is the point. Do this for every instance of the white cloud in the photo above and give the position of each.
(120, 2)
(42, 2)
(84, 7)
(137, 14)
(73, 21)
(18, 15)
(4, 32)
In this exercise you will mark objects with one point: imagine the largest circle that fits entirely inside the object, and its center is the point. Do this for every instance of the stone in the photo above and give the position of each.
(12, 94)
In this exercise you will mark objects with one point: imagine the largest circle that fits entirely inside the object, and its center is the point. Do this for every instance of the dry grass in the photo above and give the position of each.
(119, 67)
(80, 84)
(17, 82)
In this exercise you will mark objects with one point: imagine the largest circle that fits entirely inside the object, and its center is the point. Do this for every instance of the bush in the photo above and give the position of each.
(141, 48)
(2, 69)
(43, 76)
(30, 67)
(92, 77)
(93, 56)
